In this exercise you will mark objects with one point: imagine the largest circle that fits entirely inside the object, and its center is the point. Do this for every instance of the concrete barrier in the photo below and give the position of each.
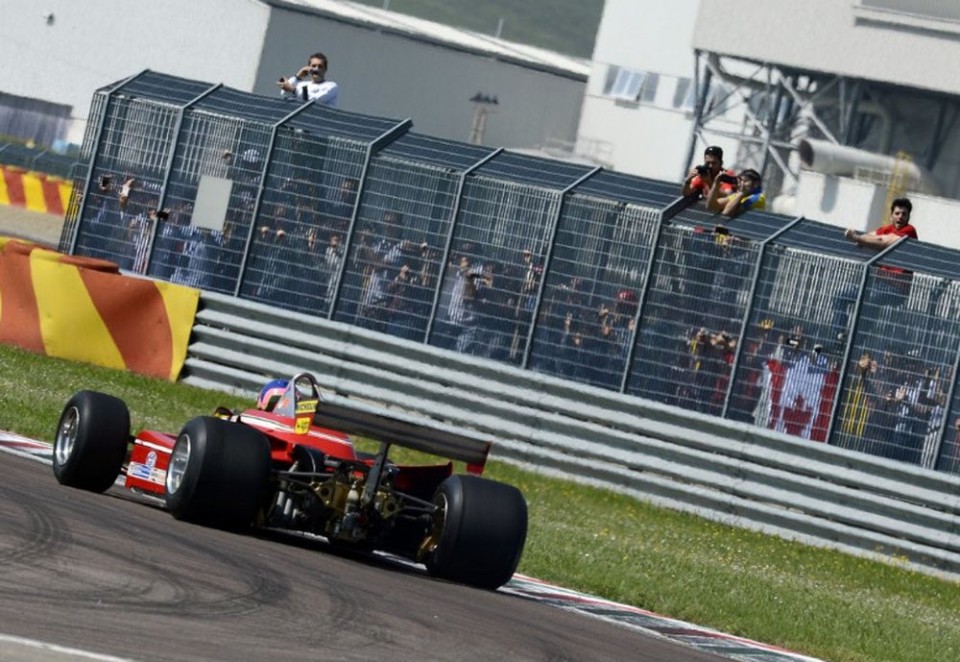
(726, 471)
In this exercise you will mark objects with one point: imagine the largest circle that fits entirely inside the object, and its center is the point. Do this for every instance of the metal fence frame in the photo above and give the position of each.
(729, 472)
(550, 185)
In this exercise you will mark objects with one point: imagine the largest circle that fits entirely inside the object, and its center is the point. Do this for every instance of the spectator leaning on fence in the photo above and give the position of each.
(893, 284)
(899, 226)
(310, 83)
(749, 194)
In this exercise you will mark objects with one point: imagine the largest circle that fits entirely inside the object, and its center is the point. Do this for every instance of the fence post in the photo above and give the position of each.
(448, 242)
(751, 301)
(170, 159)
(260, 189)
(848, 346)
(551, 242)
(945, 423)
(93, 158)
(665, 214)
(375, 146)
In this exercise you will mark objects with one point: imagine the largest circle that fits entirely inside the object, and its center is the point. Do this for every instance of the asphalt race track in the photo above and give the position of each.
(118, 577)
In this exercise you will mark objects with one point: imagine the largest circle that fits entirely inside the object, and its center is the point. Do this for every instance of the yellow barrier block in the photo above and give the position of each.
(181, 305)
(33, 192)
(80, 335)
(65, 190)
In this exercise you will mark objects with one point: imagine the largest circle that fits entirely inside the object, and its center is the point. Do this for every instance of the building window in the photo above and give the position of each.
(630, 85)
(685, 94)
(932, 9)
(938, 16)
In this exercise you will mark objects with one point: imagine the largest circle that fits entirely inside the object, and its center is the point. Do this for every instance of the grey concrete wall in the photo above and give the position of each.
(840, 37)
(91, 43)
(391, 75)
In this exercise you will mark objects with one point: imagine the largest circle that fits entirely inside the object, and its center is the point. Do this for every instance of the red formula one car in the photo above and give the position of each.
(295, 467)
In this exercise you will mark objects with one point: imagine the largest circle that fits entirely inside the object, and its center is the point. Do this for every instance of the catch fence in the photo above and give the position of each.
(593, 276)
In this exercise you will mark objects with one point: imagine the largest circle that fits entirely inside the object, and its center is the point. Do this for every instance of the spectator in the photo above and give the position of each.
(702, 177)
(269, 271)
(914, 400)
(104, 233)
(456, 302)
(757, 349)
(382, 261)
(493, 314)
(526, 281)
(571, 352)
(400, 320)
(337, 214)
(858, 403)
(139, 233)
(355, 276)
(935, 399)
(710, 357)
(615, 331)
(768, 409)
(558, 313)
(803, 387)
(310, 83)
(886, 235)
(749, 195)
(330, 269)
(949, 459)
(893, 284)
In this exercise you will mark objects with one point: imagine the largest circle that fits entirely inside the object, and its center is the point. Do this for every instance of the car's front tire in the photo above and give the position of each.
(482, 529)
(218, 473)
(91, 442)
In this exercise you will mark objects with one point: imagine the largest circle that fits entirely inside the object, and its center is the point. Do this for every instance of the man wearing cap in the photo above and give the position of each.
(701, 178)
(749, 195)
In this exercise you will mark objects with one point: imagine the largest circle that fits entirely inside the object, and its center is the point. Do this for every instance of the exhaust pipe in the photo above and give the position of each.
(830, 159)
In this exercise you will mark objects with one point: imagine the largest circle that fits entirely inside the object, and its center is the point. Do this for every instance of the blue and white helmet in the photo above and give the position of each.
(271, 393)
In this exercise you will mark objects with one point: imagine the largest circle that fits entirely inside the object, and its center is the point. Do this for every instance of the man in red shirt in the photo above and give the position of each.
(899, 226)
(892, 285)
(699, 180)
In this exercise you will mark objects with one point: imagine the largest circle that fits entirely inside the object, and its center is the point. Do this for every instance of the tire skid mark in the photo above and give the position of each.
(43, 534)
(166, 586)
(200, 576)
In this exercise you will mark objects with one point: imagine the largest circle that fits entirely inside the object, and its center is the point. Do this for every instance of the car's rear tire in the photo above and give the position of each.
(483, 527)
(218, 473)
(90, 446)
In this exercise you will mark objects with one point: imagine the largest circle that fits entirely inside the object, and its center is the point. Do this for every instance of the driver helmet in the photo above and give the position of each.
(271, 393)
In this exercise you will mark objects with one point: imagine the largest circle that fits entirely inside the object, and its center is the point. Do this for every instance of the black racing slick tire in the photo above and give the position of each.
(218, 473)
(91, 443)
(483, 527)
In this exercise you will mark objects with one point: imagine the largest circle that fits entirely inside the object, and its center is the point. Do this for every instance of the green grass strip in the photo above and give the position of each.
(819, 602)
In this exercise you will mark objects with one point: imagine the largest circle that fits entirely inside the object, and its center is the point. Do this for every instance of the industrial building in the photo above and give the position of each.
(452, 83)
(842, 105)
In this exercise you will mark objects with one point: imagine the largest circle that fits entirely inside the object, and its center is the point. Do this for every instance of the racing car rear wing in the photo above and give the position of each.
(397, 428)
(303, 397)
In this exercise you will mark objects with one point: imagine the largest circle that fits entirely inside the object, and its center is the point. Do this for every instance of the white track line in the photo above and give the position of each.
(53, 648)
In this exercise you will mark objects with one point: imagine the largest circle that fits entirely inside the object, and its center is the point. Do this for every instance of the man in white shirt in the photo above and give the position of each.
(310, 84)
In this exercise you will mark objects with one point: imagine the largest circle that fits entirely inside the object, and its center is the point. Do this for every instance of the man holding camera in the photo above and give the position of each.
(310, 84)
(702, 177)
(748, 195)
